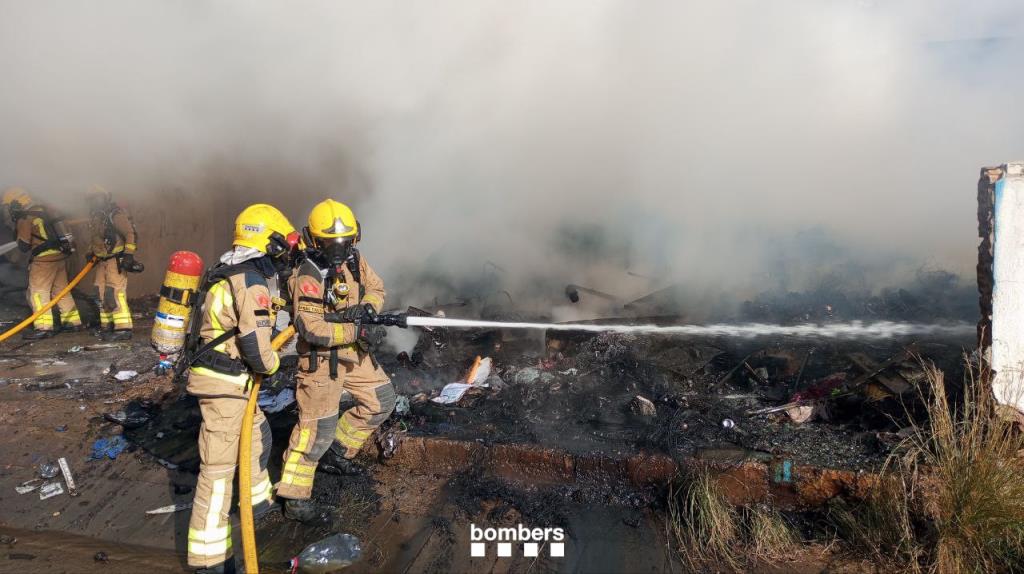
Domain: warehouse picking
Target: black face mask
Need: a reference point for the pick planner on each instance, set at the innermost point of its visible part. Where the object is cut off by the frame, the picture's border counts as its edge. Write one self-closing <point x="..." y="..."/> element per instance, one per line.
<point x="267" y="265"/>
<point x="336" y="252"/>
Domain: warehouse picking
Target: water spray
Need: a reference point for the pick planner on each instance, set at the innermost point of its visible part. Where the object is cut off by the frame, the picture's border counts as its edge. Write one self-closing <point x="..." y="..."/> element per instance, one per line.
<point x="8" y="247"/>
<point x="848" y="330"/>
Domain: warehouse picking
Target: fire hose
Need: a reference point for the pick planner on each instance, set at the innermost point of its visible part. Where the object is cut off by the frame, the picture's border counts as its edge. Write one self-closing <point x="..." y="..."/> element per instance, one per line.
<point x="53" y="301"/>
<point x="245" y="442"/>
<point x="245" y="464"/>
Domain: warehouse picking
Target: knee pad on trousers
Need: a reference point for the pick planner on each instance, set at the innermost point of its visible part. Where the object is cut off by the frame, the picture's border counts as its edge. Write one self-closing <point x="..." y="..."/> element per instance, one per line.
<point x="324" y="437"/>
<point x="267" y="439"/>
<point x="386" y="397"/>
<point x="109" y="299"/>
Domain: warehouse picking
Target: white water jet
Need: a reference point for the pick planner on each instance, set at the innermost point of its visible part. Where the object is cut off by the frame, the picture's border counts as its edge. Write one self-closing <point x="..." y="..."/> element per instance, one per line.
<point x="851" y="330"/>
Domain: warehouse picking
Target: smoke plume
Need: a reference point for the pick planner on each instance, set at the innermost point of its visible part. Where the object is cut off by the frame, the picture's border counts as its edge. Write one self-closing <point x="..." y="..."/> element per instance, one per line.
<point x="520" y="146"/>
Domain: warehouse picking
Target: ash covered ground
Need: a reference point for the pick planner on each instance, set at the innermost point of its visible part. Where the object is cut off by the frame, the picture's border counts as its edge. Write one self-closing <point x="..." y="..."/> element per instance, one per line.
<point x="587" y="395"/>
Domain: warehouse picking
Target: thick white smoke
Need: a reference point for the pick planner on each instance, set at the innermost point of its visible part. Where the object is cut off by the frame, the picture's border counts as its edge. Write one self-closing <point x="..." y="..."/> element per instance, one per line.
<point x="572" y="141"/>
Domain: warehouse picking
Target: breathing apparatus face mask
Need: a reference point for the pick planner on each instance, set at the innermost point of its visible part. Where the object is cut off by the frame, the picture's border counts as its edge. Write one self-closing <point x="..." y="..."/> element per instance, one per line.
<point x="336" y="251"/>
<point x="282" y="249"/>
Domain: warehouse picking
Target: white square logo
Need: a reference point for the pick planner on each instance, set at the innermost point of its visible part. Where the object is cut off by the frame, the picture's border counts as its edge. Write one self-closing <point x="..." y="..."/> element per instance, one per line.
<point x="504" y="550"/>
<point x="478" y="550"/>
<point x="530" y="550"/>
<point x="557" y="549"/>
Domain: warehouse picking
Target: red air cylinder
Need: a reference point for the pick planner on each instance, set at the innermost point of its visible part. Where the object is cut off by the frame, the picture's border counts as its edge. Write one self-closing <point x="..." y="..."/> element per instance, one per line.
<point x="184" y="271"/>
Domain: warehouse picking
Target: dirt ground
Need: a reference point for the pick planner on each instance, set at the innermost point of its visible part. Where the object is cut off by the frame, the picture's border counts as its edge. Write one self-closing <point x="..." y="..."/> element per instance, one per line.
<point x="411" y="515"/>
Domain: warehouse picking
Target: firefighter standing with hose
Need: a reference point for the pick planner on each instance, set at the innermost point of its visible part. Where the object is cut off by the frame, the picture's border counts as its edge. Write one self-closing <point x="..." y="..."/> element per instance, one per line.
<point x="41" y="234"/>
<point x="333" y="289"/>
<point x="235" y="328"/>
<point x="113" y="244"/>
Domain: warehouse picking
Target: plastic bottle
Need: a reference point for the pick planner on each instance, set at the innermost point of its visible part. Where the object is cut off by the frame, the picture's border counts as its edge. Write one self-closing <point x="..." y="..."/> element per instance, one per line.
<point x="328" y="555"/>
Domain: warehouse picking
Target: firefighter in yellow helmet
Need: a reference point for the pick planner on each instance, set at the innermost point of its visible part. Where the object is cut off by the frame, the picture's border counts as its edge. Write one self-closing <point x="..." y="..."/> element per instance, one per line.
<point x="42" y="235"/>
<point x="332" y="289"/>
<point x="237" y="319"/>
<point x="113" y="244"/>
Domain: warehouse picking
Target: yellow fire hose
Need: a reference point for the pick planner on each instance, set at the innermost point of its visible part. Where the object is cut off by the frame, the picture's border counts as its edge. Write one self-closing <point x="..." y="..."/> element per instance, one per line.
<point x="245" y="464"/>
<point x="53" y="301"/>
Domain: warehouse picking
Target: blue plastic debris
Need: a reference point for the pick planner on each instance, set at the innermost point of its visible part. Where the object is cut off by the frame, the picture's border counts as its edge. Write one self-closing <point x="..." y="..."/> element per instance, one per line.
<point x="108" y="447"/>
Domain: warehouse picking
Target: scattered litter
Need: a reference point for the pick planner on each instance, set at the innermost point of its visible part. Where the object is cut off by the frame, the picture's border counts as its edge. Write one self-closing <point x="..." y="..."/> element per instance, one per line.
<point x="167" y="464"/>
<point x="50" y="489"/>
<point x="100" y="557"/>
<point x="8" y="540"/>
<point x="642" y="406"/>
<point x="451" y="393"/>
<point x="480" y="371"/>
<point x="126" y="375"/>
<point x="388" y="442"/>
<point x="495" y="382"/>
<point x="134" y="415"/>
<point x="572" y="372"/>
<point x="808" y="412"/>
<point x="402" y="405"/>
<point x="20" y="556"/>
<point x="728" y="424"/>
<point x="28" y="486"/>
<point x="68" y="479"/>
<point x="170" y="508"/>
<point x="108" y="447"/>
<point x="48" y="470"/>
<point x="276" y="402"/>
<point x="329" y="555"/>
<point x="76" y="349"/>
<point x="527" y="375"/>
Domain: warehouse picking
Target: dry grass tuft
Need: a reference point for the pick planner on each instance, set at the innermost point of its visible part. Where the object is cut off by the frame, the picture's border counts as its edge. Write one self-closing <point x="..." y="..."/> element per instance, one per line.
<point x="711" y="533"/>
<point x="967" y="472"/>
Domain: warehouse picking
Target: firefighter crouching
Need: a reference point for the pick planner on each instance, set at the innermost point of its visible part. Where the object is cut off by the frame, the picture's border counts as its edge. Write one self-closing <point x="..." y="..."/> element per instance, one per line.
<point x="113" y="244"/>
<point x="236" y="320"/>
<point x="332" y="287"/>
<point x="42" y="234"/>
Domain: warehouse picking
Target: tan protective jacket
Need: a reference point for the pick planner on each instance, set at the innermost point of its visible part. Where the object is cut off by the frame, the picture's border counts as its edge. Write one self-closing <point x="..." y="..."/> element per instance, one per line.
<point x="311" y="300"/>
<point x="112" y="233"/>
<point x="31" y="232"/>
<point x="242" y="300"/>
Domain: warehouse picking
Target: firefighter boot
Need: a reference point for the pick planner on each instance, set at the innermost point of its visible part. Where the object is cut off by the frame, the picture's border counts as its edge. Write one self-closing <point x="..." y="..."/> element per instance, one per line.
<point x="333" y="462"/>
<point x="299" y="510"/>
<point x="227" y="567"/>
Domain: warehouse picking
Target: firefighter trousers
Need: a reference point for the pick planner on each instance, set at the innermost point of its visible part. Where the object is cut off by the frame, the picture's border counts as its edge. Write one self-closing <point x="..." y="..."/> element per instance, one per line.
<point x="46" y="279"/>
<point x="112" y="291"/>
<point x="320" y="426"/>
<point x="209" y="529"/>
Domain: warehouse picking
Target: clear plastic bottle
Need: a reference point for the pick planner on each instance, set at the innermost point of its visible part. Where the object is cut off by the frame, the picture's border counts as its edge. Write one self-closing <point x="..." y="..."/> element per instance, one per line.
<point x="328" y="555"/>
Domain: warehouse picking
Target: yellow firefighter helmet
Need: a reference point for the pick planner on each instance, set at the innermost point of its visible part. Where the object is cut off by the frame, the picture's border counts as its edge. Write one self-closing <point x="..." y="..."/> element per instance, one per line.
<point x="264" y="228"/>
<point x="17" y="195"/>
<point x="333" y="231"/>
<point x="332" y="219"/>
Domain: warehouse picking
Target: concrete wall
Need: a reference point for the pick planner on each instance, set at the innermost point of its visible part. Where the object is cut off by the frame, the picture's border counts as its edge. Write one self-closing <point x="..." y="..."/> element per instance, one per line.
<point x="1001" y="278"/>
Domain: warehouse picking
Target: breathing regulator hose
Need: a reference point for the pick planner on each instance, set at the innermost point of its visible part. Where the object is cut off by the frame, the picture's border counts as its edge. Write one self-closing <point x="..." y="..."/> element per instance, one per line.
<point x="245" y="464"/>
<point x="53" y="301"/>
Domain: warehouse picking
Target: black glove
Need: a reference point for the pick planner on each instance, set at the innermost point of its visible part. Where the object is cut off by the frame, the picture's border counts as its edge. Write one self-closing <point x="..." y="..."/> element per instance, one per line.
<point x="353" y="314"/>
<point x="371" y="337"/>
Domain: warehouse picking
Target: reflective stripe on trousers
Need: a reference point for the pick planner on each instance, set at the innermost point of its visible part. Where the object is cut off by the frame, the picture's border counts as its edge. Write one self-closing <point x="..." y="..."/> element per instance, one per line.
<point x="213" y="541"/>
<point x="349" y="436"/>
<point x="294" y="472"/>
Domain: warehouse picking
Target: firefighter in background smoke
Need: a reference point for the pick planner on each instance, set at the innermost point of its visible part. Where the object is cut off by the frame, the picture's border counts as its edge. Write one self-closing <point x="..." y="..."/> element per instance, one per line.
<point x="333" y="288"/>
<point x="113" y="244"/>
<point x="40" y="233"/>
<point x="237" y="323"/>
